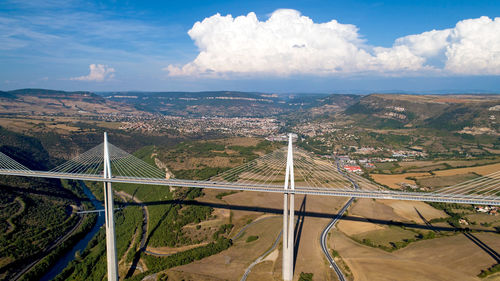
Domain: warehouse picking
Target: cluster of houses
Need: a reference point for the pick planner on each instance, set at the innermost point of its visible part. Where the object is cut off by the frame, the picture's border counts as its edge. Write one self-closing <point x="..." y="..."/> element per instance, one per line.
<point x="409" y="186"/>
<point x="349" y="165"/>
<point x="353" y="168"/>
<point x="367" y="163"/>
<point x="281" y="137"/>
<point x="408" y="153"/>
<point x="491" y="210"/>
<point x="401" y="154"/>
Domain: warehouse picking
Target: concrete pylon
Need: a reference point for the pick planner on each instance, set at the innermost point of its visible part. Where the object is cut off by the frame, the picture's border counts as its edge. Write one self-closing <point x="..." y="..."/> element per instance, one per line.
<point x="109" y="214"/>
<point x="288" y="216"/>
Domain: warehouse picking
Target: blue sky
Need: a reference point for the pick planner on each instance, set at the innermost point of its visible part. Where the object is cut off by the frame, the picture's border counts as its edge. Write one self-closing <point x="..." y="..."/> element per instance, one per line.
<point x="274" y="46"/>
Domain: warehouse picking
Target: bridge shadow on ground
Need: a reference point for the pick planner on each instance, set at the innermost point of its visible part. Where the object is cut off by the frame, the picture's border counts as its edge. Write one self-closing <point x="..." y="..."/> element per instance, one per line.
<point x="137" y="256"/>
<point x="494" y="254"/>
<point x="428" y="223"/>
<point x="302" y="213"/>
<point x="298" y="230"/>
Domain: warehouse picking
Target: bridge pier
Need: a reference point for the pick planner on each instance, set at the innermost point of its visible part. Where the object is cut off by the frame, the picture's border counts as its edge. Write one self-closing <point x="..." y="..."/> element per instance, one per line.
<point x="288" y="216"/>
<point x="109" y="214"/>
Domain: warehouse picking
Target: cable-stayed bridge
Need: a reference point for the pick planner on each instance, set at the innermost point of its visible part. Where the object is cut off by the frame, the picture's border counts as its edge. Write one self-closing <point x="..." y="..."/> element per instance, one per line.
<point x="313" y="176"/>
<point x="289" y="170"/>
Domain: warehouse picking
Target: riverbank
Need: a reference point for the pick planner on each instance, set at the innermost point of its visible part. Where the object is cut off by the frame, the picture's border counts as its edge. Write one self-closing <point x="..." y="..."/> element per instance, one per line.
<point x="64" y="260"/>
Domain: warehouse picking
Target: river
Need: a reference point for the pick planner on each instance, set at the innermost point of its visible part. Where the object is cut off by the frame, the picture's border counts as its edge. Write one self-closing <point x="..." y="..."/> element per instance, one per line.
<point x="82" y="244"/>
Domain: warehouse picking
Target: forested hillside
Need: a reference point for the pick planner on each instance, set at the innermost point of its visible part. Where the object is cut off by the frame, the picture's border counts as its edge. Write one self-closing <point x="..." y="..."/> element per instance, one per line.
<point x="34" y="212"/>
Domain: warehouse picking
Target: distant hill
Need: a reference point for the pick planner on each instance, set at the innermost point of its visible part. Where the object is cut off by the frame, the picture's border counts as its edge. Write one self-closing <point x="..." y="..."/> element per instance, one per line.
<point x="333" y="104"/>
<point x="61" y="103"/>
<point x="217" y="103"/>
<point x="186" y="104"/>
<point x="450" y="112"/>
<point x="201" y="103"/>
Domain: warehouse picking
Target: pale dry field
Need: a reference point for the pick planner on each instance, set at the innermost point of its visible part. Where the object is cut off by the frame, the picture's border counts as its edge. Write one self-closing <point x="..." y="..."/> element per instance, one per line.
<point x="443" y="181"/>
<point x="449" y="258"/>
<point x="393" y="181"/>
<point x="453" y="163"/>
<point x="409" y="210"/>
<point x="402" y="211"/>
<point x="369" y="219"/>
<point x="373" y="209"/>
<point x="357" y="227"/>
<point x="481" y="170"/>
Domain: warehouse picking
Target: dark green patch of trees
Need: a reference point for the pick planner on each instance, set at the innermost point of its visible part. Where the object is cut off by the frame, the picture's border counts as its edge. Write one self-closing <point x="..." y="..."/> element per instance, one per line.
<point x="226" y="193"/>
<point x="156" y="264"/>
<point x="305" y="276"/>
<point x="492" y="270"/>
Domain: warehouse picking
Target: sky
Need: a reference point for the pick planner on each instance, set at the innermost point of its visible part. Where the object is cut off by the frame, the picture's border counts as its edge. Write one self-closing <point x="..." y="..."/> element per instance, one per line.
<point x="266" y="46"/>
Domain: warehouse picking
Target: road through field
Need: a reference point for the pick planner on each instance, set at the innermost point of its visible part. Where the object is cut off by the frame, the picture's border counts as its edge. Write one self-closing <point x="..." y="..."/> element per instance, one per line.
<point x="327" y="229"/>
<point x="259" y="259"/>
<point x="324" y="235"/>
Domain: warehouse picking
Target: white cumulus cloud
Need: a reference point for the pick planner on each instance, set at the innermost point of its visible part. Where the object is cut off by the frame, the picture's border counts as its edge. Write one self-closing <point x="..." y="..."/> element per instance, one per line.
<point x="289" y="43"/>
<point x="471" y="47"/>
<point x="98" y="73"/>
<point x="474" y="47"/>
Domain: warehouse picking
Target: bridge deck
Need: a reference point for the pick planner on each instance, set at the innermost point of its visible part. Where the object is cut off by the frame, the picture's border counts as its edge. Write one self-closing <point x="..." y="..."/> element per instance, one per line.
<point x="339" y="192"/>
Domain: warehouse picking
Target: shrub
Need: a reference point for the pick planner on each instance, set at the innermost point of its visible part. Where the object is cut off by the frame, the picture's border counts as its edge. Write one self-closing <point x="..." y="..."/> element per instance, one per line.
<point x="305" y="276"/>
<point x="489" y="271"/>
<point x="252" y="238"/>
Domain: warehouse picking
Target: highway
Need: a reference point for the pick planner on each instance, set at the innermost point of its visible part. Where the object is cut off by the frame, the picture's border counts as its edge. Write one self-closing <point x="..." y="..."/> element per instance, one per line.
<point x="324" y="236"/>
<point x="338" y="192"/>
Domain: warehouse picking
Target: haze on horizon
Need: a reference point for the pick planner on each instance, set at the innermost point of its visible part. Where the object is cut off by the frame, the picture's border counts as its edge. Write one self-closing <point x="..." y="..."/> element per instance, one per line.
<point x="318" y="46"/>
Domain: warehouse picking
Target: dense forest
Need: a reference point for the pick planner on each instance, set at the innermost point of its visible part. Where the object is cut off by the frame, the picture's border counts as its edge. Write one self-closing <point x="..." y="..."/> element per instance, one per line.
<point x="35" y="212"/>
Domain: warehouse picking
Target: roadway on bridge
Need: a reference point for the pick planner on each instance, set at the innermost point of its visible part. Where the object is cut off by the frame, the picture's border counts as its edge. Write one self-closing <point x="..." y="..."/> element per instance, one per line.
<point x="347" y="192"/>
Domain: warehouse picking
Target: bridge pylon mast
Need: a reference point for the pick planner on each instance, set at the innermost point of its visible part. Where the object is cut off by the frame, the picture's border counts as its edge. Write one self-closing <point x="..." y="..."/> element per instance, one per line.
<point x="109" y="213"/>
<point x="288" y="216"/>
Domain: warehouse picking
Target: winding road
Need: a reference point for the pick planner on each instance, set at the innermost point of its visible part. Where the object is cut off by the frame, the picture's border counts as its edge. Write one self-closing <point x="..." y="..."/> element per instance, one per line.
<point x="259" y="259"/>
<point x="324" y="234"/>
